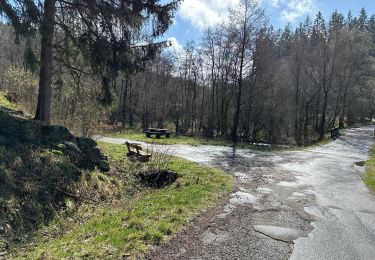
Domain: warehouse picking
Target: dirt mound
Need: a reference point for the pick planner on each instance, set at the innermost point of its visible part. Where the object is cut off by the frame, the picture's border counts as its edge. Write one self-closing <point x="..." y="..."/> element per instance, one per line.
<point x="157" y="178"/>
<point x="40" y="168"/>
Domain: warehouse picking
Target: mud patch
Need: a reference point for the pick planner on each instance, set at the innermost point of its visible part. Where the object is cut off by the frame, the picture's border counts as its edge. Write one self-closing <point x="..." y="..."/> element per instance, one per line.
<point x="280" y="233"/>
<point x="157" y="178"/>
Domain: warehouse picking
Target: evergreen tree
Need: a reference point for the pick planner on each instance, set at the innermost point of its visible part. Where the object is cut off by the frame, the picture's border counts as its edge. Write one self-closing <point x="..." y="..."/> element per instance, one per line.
<point x="362" y="20"/>
<point x="113" y="35"/>
<point x="30" y="60"/>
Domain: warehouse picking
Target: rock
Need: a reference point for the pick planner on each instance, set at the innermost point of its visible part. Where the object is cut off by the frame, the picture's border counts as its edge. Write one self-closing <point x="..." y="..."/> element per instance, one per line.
<point x="3" y="139"/>
<point x="95" y="154"/>
<point x="103" y="166"/>
<point x="85" y="142"/>
<point x="57" y="133"/>
<point x="70" y="146"/>
<point x="91" y="156"/>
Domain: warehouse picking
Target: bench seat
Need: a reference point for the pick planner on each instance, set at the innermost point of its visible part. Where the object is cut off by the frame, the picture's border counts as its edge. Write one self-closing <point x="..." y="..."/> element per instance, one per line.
<point x="135" y="150"/>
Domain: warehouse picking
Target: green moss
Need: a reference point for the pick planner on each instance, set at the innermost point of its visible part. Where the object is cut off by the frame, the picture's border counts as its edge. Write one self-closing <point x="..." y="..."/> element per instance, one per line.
<point x="369" y="177"/>
<point x="138" y="222"/>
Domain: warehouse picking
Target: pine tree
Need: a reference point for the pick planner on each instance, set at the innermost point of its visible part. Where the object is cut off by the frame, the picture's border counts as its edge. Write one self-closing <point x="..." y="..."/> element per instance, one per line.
<point x="362" y="20"/>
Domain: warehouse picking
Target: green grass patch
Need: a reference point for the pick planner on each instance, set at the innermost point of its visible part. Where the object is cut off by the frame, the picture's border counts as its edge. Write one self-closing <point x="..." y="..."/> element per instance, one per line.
<point x="174" y="139"/>
<point x="198" y="140"/>
<point x="369" y="177"/>
<point x="136" y="223"/>
<point x="194" y="141"/>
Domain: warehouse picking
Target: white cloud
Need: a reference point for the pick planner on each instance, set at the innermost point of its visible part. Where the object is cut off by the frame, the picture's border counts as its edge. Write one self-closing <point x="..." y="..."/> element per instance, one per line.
<point x="275" y="3"/>
<point x="296" y="9"/>
<point x="175" y="47"/>
<point x="202" y="13"/>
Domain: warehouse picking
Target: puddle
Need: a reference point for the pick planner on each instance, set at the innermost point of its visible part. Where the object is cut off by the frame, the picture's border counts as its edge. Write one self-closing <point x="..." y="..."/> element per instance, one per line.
<point x="280" y="233"/>
<point x="212" y="238"/>
<point x="314" y="211"/>
<point x="309" y="192"/>
<point x="298" y="194"/>
<point x="288" y="184"/>
<point x="241" y="197"/>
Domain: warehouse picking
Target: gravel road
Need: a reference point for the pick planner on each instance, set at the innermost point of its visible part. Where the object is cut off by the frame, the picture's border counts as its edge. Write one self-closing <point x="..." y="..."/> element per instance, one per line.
<point x="306" y="204"/>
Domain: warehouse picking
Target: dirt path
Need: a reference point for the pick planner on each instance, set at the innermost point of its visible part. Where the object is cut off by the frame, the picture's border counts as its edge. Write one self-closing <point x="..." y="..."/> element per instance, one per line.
<point x="308" y="204"/>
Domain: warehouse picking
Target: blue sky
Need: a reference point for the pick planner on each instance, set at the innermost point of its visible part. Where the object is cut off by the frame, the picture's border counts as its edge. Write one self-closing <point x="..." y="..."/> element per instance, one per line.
<point x="194" y="15"/>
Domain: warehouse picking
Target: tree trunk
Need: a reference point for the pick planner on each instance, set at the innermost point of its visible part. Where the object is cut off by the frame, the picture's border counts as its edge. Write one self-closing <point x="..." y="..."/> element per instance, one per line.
<point x="306" y="125"/>
<point x="236" y="120"/>
<point x="323" y="119"/>
<point x="297" y="133"/>
<point x="343" y="111"/>
<point x="43" y="111"/>
<point x="237" y="112"/>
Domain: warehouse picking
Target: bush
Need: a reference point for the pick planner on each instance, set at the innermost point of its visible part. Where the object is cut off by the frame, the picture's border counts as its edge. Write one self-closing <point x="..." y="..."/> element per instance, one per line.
<point x="24" y="87"/>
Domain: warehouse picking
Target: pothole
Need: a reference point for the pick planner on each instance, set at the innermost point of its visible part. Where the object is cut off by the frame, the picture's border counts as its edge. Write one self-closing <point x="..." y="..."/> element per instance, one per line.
<point x="157" y="178"/>
<point x="361" y="163"/>
<point x="280" y="233"/>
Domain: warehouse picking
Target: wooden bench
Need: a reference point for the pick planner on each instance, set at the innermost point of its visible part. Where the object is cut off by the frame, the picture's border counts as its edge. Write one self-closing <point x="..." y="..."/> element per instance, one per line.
<point x="158" y="133"/>
<point x="335" y="133"/>
<point x="135" y="151"/>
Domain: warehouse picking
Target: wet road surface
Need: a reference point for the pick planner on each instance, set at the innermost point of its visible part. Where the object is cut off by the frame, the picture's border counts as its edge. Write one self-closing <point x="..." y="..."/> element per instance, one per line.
<point x="307" y="204"/>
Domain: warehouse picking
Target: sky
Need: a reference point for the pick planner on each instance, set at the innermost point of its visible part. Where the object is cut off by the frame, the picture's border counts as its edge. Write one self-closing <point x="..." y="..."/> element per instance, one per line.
<point x="194" y="15"/>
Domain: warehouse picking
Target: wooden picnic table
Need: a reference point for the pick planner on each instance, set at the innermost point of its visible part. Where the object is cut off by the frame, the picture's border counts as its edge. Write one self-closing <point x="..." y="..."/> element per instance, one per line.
<point x="158" y="133"/>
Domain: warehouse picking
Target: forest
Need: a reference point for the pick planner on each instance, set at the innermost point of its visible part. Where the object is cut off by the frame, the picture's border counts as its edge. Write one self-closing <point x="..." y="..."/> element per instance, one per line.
<point x="243" y="81"/>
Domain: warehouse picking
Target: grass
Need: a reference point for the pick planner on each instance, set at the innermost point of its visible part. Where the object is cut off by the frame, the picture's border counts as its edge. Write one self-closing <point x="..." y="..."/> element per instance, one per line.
<point x="134" y="224"/>
<point x="174" y="139"/>
<point x="369" y="177"/>
<point x="5" y="103"/>
<point x="195" y="141"/>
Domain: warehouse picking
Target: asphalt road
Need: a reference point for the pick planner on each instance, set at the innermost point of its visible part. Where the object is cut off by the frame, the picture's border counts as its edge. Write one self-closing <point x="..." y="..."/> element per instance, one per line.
<point x="307" y="204"/>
